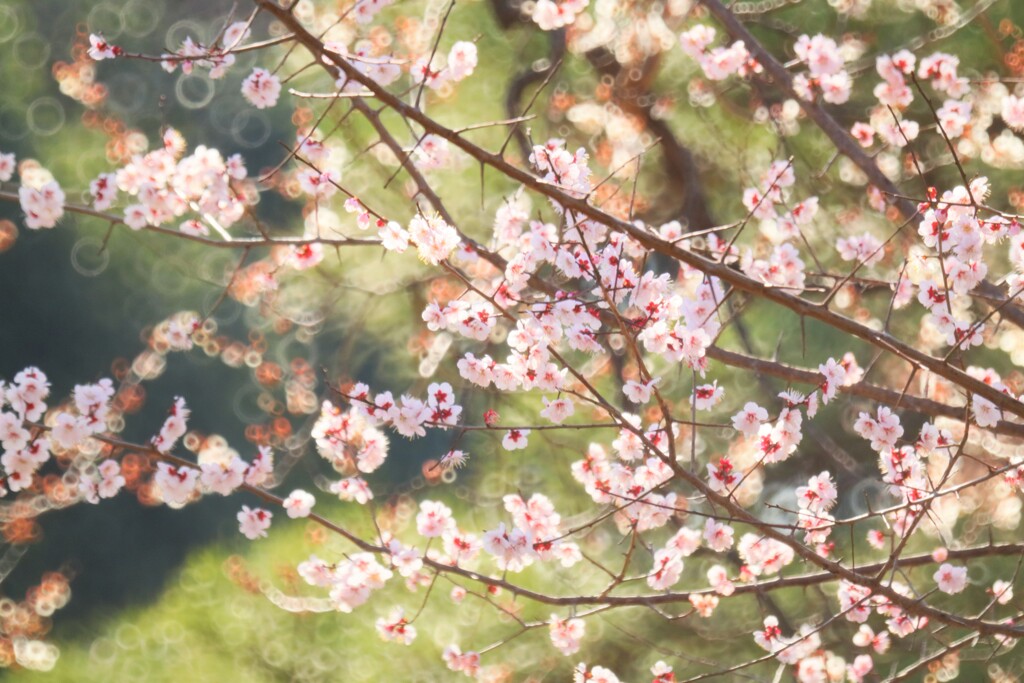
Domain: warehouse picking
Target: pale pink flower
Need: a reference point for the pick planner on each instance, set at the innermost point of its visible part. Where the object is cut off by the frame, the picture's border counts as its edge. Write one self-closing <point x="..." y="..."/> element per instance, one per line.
<point x="434" y="519"/>
<point x="261" y="88"/>
<point x="100" y="49"/>
<point x="558" y="410"/>
<point x="515" y="439"/>
<point x="950" y="579"/>
<point x="566" y="634"/>
<point x="254" y="522"/>
<point x="43" y="207"/>
<point x="299" y="503"/>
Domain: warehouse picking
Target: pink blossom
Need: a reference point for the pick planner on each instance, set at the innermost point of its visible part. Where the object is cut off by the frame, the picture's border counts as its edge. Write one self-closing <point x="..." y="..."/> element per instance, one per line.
<point x="100" y="49"/>
<point x="558" y="410"/>
<point x="434" y="239"/>
<point x="640" y="392"/>
<point x="462" y="59"/>
<point x="749" y="420"/>
<point x="7" y="166"/>
<point x="707" y="396"/>
<point x="718" y="536"/>
<point x="596" y="674"/>
<point x="566" y="634"/>
<point x="254" y="522"/>
<point x="468" y="663"/>
<point x="177" y="485"/>
<point x="261" y="88"/>
<point x="352" y="489"/>
<point x="174" y="427"/>
<point x="396" y="628"/>
<point x="433" y="519"/>
<point x="299" y="503"/>
<point x="515" y="439"/>
<point x="950" y="579"/>
<point x="43" y="206"/>
<point x="512" y="549"/>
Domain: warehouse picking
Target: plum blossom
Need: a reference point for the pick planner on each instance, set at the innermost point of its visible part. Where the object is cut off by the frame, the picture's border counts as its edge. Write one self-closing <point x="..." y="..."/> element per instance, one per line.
<point x="566" y="634"/>
<point x="68" y="432"/>
<point x="718" y="536"/>
<point x="351" y="581"/>
<point x="100" y="49"/>
<point x="866" y="637"/>
<point x="554" y="14"/>
<point x="770" y="637"/>
<point x="718" y="579"/>
<point x="640" y="392"/>
<point x="352" y="489"/>
<point x="223" y="477"/>
<point x="749" y="420"/>
<point x="28" y="393"/>
<point x="1013" y="112"/>
<point x="722" y="477"/>
<point x="558" y="410"/>
<point x="409" y="416"/>
<point x="261" y="467"/>
<point x="254" y="522"/>
<point x="435" y="240"/>
<point x="261" y="88"/>
<point x="860" y="668"/>
<point x="43" y="206"/>
<point x="819" y="495"/>
<point x="882" y="430"/>
<point x="707" y="396"/>
<point x="597" y="674"/>
<point x="667" y="570"/>
<point x="453" y="460"/>
<point x="985" y="413"/>
<point x="396" y="628"/>
<point x="434" y="519"/>
<point x="1003" y="591"/>
<point x="393" y="237"/>
<point x="515" y="439"/>
<point x="863" y="249"/>
<point x="7" y="166"/>
<point x="512" y="549"/>
<point x="320" y="185"/>
<point x="176" y="484"/>
<point x="863" y="133"/>
<point x="950" y="579"/>
<point x="350" y="436"/>
<point x="468" y="663"/>
<point x="824" y="63"/>
<point x="299" y="503"/>
<point x="462" y="59"/>
<point x="717" y="63"/>
<point x="111" y="480"/>
<point x="174" y="427"/>
<point x="763" y="556"/>
<point x="834" y="377"/>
